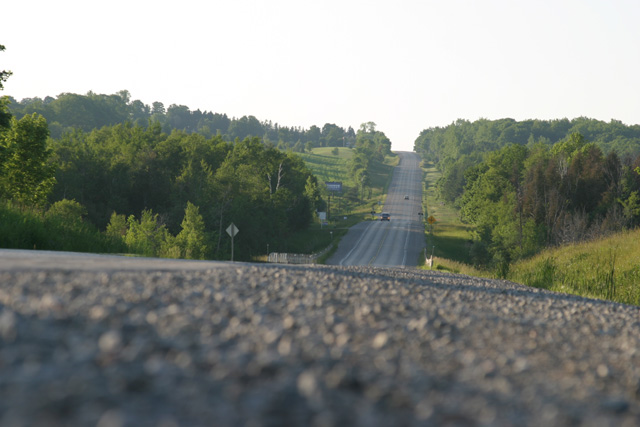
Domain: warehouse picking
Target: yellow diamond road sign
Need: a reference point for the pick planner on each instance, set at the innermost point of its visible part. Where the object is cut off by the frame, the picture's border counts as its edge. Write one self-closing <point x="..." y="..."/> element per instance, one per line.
<point x="431" y="219"/>
<point x="232" y="230"/>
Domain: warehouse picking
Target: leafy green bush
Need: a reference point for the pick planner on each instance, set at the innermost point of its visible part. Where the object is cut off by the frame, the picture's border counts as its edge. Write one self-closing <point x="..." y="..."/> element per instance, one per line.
<point x="30" y="229"/>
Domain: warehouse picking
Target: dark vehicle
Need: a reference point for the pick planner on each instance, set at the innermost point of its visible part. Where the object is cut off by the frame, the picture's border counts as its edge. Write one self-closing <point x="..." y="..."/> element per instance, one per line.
<point x="385" y="217"/>
<point x="406" y="197"/>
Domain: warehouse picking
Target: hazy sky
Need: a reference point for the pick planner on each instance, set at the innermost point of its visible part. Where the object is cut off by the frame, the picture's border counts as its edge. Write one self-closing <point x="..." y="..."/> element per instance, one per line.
<point x="405" y="65"/>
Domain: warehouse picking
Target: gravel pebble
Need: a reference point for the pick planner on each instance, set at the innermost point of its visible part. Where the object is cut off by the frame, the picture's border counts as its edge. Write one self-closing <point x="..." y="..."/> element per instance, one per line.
<point x="265" y="345"/>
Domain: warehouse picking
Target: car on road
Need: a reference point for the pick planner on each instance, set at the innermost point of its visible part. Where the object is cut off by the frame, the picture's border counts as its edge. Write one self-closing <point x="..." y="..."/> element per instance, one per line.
<point x="406" y="197"/>
<point x="385" y="217"/>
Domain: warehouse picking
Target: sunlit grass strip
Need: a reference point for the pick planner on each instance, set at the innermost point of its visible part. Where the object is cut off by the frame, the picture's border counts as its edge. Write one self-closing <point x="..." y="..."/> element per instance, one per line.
<point x="450" y="236"/>
<point x="608" y="268"/>
<point x="452" y="266"/>
<point x="343" y="152"/>
<point x="327" y="168"/>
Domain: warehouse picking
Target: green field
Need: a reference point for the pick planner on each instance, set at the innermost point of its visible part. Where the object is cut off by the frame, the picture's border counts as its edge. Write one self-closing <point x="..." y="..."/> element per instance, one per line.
<point x="326" y="166"/>
<point x="343" y="152"/>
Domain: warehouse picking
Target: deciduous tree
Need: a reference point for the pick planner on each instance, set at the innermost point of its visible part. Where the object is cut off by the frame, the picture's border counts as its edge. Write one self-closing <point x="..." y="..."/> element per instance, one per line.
<point x="26" y="175"/>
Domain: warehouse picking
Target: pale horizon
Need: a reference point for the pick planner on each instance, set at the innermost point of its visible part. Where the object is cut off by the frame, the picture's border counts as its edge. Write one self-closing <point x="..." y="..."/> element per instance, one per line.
<point x="406" y="65"/>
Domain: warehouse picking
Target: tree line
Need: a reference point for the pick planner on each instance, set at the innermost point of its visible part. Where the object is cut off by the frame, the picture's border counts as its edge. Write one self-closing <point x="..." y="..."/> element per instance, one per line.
<point x="69" y="111"/>
<point x="371" y="146"/>
<point x="164" y="194"/>
<point x="113" y="174"/>
<point x="465" y="138"/>
<point x="523" y="193"/>
<point x="103" y="171"/>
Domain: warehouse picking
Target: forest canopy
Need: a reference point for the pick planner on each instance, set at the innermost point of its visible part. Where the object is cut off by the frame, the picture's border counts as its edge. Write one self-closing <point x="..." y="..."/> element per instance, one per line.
<point x="167" y="182"/>
<point x="69" y="111"/>
<point x="533" y="184"/>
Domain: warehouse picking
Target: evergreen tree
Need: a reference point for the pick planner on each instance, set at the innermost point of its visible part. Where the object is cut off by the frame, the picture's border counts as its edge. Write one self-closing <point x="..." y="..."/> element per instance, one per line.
<point x="192" y="240"/>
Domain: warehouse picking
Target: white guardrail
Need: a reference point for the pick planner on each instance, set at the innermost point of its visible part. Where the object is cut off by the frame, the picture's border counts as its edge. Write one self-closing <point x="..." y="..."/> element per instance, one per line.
<point x="286" y="258"/>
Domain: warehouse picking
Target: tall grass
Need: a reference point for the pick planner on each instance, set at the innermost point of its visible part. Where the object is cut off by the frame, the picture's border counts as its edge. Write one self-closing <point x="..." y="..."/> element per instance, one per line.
<point x="30" y="229"/>
<point x="607" y="268"/>
<point x="457" y="267"/>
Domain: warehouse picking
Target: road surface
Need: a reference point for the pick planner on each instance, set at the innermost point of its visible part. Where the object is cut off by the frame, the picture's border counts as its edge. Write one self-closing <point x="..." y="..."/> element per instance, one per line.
<point x="394" y="243"/>
<point x="89" y="340"/>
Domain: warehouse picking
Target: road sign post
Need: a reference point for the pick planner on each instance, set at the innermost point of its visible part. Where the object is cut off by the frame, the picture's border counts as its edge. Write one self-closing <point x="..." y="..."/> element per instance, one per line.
<point x="431" y="220"/>
<point x="322" y="216"/>
<point x="232" y="230"/>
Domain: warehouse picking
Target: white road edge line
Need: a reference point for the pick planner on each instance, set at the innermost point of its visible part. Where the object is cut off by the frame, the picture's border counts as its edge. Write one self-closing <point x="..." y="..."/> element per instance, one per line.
<point x="357" y="243"/>
<point x="406" y="244"/>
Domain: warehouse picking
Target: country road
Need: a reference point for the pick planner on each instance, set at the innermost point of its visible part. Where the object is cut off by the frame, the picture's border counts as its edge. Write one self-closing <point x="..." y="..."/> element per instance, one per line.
<point x="89" y="340"/>
<point x="394" y="243"/>
<point x="108" y="341"/>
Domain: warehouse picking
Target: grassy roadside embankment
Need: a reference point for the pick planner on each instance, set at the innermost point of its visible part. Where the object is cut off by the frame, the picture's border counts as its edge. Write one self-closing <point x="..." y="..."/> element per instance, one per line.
<point x="606" y="268"/>
<point x="448" y="238"/>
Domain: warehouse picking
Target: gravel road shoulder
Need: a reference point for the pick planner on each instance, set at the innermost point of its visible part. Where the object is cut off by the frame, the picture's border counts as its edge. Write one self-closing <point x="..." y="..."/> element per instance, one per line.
<point x="264" y="345"/>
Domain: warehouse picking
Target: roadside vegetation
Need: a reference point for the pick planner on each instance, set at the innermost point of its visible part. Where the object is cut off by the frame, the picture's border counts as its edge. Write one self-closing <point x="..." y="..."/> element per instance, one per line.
<point x="448" y="237"/>
<point x="55" y="229"/>
<point x="365" y="172"/>
<point x="129" y="183"/>
<point x="606" y="268"/>
<point x="349" y="207"/>
<point x="103" y="173"/>
<point x="551" y="210"/>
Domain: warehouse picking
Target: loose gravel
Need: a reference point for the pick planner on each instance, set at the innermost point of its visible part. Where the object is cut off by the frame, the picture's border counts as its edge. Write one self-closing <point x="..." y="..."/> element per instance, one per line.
<point x="260" y="345"/>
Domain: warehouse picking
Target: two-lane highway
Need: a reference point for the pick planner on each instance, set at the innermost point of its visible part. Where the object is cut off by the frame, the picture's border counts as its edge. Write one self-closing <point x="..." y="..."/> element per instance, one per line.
<point x="394" y="243"/>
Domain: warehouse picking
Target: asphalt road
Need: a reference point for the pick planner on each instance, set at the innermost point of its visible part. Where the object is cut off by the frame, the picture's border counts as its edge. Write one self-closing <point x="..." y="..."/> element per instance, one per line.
<point x="394" y="243"/>
<point x="89" y="340"/>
